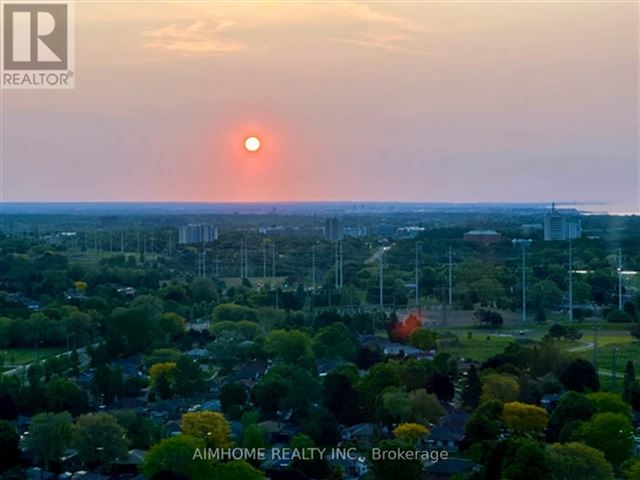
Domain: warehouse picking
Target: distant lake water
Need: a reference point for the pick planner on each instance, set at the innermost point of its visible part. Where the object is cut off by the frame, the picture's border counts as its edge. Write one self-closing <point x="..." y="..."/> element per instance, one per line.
<point x="610" y="208"/>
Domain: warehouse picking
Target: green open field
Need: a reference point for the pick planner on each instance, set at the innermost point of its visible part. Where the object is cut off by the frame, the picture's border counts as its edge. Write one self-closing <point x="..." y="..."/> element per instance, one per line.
<point x="21" y="356"/>
<point x="479" y="347"/>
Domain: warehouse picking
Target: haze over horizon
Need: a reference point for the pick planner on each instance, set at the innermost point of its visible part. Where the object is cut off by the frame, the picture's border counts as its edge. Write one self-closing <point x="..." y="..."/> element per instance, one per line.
<point x="465" y="103"/>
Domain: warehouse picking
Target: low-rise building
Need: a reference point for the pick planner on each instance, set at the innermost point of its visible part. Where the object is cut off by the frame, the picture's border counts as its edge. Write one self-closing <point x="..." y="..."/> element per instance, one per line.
<point x="484" y="236"/>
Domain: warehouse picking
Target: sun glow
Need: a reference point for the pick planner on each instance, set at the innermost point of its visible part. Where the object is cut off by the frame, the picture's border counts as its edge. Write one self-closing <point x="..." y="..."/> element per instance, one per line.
<point x="252" y="144"/>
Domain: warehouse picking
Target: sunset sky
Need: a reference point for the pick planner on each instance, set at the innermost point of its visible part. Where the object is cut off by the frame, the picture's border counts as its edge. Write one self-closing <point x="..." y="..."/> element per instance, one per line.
<point x="395" y="101"/>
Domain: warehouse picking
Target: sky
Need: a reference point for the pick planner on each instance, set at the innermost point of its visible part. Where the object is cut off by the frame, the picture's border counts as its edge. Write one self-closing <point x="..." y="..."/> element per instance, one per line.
<point x="387" y="101"/>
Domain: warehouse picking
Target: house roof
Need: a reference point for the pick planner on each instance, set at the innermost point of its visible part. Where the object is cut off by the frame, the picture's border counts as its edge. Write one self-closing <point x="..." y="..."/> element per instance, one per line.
<point x="360" y="429"/>
<point x="451" y="466"/>
<point x="198" y="352"/>
<point x="271" y="426"/>
<point x="444" y="434"/>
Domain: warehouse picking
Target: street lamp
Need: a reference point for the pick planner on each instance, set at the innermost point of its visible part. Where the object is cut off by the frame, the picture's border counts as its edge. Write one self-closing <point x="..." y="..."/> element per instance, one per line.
<point x="524" y="244"/>
<point x="99" y="451"/>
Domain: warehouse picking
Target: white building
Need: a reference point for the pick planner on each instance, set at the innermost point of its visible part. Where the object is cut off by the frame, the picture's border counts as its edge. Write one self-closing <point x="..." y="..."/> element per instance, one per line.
<point x="197" y="233"/>
<point x="561" y="226"/>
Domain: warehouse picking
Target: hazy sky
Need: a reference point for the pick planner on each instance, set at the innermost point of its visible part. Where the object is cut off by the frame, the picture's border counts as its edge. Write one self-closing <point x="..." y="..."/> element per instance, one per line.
<point x="353" y="101"/>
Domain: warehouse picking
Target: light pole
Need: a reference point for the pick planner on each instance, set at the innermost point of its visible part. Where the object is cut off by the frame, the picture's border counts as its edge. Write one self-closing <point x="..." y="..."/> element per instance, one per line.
<point x="613" y="366"/>
<point x="381" y="286"/>
<point x="524" y="244"/>
<point x="450" y="276"/>
<point x="619" y="279"/>
<point x="99" y="451"/>
<point x="570" y="281"/>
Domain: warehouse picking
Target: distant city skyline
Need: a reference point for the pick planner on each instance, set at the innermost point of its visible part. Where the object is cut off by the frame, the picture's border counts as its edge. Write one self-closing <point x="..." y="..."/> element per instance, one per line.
<point x="409" y="102"/>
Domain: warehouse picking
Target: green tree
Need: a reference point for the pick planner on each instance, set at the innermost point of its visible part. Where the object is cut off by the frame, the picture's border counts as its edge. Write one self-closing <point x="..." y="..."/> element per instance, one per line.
<point x="398" y="469"/>
<point x="334" y="342"/>
<point x="163" y="376"/>
<point x="314" y="468"/>
<point x="9" y="446"/>
<point x="379" y="377"/>
<point x="170" y="325"/>
<point x="99" y="439"/>
<point x="107" y="383"/>
<point x="631" y="469"/>
<point x="611" y="433"/>
<point x="610" y="402"/>
<point x="290" y="346"/>
<point x="546" y="294"/>
<point x="572" y="407"/>
<point x="411" y="432"/>
<point x="580" y="376"/>
<point x="254" y="436"/>
<point x="503" y="388"/>
<point x="575" y="461"/>
<point x="232" y="395"/>
<point x="523" y="418"/>
<point x="321" y="426"/>
<point x="631" y="386"/>
<point x="63" y="394"/>
<point x="234" y="313"/>
<point x="471" y="389"/>
<point x="286" y="387"/>
<point x="237" y="470"/>
<point x="526" y="460"/>
<point x="181" y="455"/>
<point x="142" y="431"/>
<point x="189" y="377"/>
<point x="423" y="339"/>
<point x="341" y="398"/>
<point x="49" y="436"/>
<point x="424" y="407"/>
<point x="208" y="426"/>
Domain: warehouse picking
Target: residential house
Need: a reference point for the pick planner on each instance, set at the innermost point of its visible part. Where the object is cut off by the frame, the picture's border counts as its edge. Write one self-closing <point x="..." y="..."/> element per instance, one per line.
<point x="448" y="468"/>
<point x="445" y="438"/>
<point x="363" y="434"/>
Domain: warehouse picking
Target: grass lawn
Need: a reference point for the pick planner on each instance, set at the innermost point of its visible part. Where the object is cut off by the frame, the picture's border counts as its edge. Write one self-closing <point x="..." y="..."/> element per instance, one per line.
<point x="20" y="356"/>
<point x="479" y="347"/>
<point x="625" y="352"/>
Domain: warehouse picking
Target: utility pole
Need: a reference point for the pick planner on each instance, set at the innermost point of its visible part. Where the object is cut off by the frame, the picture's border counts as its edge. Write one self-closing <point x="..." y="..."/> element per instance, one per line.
<point x="273" y="265"/>
<point x="613" y="366"/>
<point x="121" y="241"/>
<point x="336" y="262"/>
<point x="217" y="265"/>
<point x="381" y="280"/>
<point x="570" y="281"/>
<point x="204" y="259"/>
<point x="264" y="262"/>
<point x="619" y="279"/>
<point x="524" y="244"/>
<point x="524" y="286"/>
<point x="594" y="360"/>
<point x="313" y="268"/>
<point x="341" y="266"/>
<point x="450" y="276"/>
<point x="241" y="259"/>
<point x="417" y="279"/>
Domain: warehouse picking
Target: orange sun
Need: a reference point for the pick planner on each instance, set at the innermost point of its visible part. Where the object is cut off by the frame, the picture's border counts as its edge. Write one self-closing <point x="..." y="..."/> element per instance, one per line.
<point x="252" y="144"/>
